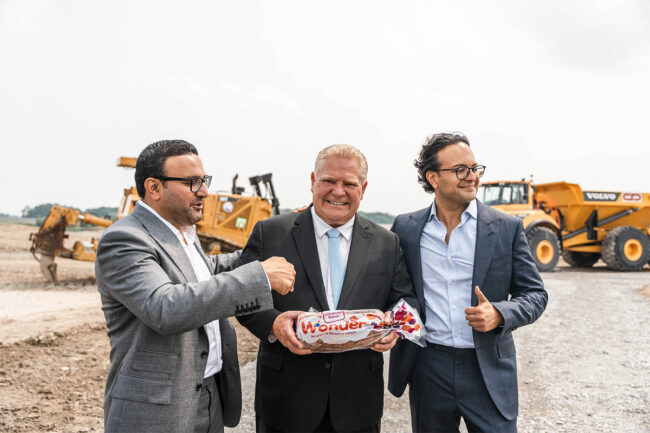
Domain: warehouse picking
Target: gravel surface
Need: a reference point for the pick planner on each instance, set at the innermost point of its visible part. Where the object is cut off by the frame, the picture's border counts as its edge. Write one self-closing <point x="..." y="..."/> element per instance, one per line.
<point x="585" y="365"/>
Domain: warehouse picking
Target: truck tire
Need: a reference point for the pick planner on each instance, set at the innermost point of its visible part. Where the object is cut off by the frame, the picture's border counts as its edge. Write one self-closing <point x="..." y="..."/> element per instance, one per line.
<point x="580" y="260"/>
<point x="545" y="247"/>
<point x="626" y="248"/>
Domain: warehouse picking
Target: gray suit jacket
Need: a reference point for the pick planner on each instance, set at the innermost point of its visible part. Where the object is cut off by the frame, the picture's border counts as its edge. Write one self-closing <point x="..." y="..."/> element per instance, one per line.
<point x="505" y="271"/>
<point x="155" y="311"/>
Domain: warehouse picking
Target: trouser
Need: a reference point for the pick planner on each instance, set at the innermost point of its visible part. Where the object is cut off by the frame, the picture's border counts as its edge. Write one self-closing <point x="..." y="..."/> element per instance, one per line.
<point x="447" y="384"/>
<point x="209" y="415"/>
<point x="325" y="426"/>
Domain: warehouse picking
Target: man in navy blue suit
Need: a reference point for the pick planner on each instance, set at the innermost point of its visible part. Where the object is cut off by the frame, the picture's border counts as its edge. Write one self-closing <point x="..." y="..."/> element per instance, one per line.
<point x="475" y="276"/>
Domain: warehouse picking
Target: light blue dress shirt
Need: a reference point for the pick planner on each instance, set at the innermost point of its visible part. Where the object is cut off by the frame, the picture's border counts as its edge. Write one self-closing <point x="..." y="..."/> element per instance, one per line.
<point x="447" y="275"/>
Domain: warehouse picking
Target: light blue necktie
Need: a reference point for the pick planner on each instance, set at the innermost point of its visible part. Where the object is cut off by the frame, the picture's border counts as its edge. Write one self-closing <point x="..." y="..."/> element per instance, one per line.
<point x="337" y="267"/>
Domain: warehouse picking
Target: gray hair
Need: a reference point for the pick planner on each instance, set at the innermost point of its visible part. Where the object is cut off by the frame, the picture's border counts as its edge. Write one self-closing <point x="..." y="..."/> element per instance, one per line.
<point x="344" y="151"/>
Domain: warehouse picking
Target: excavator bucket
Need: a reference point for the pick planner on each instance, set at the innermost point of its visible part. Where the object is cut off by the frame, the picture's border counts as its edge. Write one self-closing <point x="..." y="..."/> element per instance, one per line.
<point x="48" y="267"/>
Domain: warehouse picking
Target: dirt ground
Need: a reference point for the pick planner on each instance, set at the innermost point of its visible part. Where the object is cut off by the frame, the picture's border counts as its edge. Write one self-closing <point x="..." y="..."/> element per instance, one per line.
<point x="54" y="352"/>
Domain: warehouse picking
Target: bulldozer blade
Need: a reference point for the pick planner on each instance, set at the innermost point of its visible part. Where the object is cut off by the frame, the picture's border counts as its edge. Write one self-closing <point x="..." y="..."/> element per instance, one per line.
<point x="48" y="267"/>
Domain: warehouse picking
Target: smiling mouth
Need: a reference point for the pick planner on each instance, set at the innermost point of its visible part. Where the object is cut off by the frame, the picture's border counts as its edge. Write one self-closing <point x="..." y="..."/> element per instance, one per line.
<point x="336" y="203"/>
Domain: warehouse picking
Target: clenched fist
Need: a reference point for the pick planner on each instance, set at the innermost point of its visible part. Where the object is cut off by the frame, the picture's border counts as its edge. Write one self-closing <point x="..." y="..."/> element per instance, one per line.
<point x="280" y="273"/>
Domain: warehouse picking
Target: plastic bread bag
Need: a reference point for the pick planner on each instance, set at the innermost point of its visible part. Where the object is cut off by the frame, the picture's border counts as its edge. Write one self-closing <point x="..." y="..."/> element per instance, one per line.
<point x="340" y="330"/>
<point x="343" y="330"/>
<point x="407" y="323"/>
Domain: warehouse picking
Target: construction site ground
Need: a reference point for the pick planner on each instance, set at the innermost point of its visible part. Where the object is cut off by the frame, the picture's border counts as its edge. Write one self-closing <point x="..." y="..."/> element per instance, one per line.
<point x="584" y="366"/>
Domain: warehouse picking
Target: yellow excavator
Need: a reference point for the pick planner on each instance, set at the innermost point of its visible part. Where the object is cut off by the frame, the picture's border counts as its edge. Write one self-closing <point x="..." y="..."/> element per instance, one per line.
<point x="582" y="226"/>
<point x="228" y="219"/>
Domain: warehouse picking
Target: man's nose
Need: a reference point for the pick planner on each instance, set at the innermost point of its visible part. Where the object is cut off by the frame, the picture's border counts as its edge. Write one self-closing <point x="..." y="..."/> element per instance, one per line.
<point x="472" y="175"/>
<point x="203" y="191"/>
<point x="338" y="189"/>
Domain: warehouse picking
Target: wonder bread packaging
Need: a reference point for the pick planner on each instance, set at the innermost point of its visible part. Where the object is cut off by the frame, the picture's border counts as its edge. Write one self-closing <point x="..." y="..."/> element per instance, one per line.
<point x="343" y="330"/>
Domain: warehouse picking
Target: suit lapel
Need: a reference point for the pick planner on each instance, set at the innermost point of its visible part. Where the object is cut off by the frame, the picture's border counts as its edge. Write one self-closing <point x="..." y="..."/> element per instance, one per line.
<point x="359" y="245"/>
<point x="167" y="241"/>
<point x="485" y="241"/>
<point x="305" y="239"/>
<point x="417" y="222"/>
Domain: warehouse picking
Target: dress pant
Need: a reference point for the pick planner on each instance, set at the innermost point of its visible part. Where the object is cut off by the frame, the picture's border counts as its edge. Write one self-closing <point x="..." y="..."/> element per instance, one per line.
<point x="446" y="385"/>
<point x="209" y="415"/>
<point x="325" y="426"/>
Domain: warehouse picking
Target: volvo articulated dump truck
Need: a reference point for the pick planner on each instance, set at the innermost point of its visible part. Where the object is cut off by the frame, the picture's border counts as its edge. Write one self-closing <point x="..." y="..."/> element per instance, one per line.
<point x="582" y="226"/>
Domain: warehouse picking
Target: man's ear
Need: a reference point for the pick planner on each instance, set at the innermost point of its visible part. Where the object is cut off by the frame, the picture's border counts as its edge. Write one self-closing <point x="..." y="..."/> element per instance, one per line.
<point x="153" y="188"/>
<point x="363" y="189"/>
<point x="432" y="178"/>
<point x="313" y="179"/>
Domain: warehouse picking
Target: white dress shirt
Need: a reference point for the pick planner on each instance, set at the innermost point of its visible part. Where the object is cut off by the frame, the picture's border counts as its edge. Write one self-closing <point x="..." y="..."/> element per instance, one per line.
<point x="322" y="244"/>
<point x="203" y="273"/>
<point x="447" y="276"/>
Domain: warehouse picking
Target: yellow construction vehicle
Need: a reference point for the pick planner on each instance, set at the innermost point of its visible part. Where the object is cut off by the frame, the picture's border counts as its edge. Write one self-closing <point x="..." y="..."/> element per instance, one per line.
<point x="582" y="226"/>
<point x="228" y="219"/>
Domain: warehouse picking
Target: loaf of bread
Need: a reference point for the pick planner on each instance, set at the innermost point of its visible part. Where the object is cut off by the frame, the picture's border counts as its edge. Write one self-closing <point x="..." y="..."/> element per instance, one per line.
<point x="343" y="330"/>
<point x="340" y="330"/>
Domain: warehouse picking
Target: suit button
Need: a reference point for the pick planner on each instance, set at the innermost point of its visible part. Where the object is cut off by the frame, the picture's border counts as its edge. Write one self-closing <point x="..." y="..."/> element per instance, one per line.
<point x="199" y="386"/>
<point x="328" y="366"/>
<point x="204" y="354"/>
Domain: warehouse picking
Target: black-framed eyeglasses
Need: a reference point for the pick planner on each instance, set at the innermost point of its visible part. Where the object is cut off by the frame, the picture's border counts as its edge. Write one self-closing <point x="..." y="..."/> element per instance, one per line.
<point x="462" y="172"/>
<point x="194" y="182"/>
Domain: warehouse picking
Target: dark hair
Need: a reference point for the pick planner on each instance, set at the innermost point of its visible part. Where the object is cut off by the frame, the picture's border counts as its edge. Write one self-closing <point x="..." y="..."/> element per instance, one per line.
<point x="428" y="158"/>
<point x="152" y="160"/>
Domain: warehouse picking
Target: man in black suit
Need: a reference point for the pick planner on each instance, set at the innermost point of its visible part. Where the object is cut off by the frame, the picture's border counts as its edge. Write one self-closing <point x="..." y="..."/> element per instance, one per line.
<point x="300" y="391"/>
<point x="476" y="280"/>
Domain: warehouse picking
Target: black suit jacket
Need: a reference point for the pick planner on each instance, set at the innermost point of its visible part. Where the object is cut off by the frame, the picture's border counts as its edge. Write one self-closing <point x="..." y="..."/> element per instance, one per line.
<point x="506" y="274"/>
<point x="292" y="391"/>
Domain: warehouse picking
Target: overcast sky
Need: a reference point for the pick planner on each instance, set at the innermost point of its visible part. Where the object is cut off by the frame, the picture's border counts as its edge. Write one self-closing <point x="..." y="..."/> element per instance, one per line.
<point x="559" y="89"/>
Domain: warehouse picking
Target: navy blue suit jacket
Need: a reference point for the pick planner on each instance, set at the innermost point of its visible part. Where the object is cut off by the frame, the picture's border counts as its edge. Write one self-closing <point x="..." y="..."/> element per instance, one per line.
<point x="506" y="274"/>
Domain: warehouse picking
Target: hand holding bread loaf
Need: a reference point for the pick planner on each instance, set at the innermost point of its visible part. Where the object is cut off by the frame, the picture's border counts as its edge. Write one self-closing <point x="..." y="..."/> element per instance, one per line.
<point x="343" y="330"/>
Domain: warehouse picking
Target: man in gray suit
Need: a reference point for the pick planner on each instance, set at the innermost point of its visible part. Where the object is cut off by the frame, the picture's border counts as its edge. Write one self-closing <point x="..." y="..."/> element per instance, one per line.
<point x="475" y="276"/>
<point x="174" y="364"/>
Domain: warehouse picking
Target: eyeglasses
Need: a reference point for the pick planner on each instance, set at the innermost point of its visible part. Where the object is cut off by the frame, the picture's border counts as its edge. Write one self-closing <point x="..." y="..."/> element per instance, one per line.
<point x="462" y="172"/>
<point x="195" y="182"/>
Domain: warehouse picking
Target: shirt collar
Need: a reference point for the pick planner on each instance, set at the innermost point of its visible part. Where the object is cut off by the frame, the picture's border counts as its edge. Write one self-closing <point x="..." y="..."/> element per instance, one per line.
<point x="321" y="227"/>
<point x="470" y="211"/>
<point x="188" y="231"/>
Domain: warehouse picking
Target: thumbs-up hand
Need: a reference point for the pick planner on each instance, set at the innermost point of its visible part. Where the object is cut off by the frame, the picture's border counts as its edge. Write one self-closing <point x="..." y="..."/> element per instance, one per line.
<point x="483" y="317"/>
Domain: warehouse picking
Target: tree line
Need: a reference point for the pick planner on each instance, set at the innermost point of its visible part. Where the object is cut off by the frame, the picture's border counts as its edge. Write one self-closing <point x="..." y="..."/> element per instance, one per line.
<point x="41" y="211"/>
